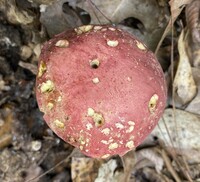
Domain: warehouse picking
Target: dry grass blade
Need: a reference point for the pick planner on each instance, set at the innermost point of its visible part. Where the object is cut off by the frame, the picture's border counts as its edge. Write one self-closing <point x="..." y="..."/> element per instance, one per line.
<point x="170" y="167"/>
<point x="182" y="164"/>
<point x="5" y="140"/>
<point x="187" y="171"/>
<point x="128" y="161"/>
<point x="176" y="7"/>
<point x="93" y="7"/>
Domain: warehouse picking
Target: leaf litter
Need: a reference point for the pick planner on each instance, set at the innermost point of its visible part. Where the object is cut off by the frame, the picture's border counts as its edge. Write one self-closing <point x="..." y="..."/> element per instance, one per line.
<point x="29" y="151"/>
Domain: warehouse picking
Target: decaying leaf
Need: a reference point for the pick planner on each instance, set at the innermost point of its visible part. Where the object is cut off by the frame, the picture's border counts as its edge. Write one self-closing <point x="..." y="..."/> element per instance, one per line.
<point x="6" y="124"/>
<point x="56" y="18"/>
<point x="3" y="87"/>
<point x="20" y="26"/>
<point x="14" y="14"/>
<point x="195" y="56"/>
<point x="176" y="7"/>
<point x="169" y="166"/>
<point x="47" y="2"/>
<point x="84" y="169"/>
<point x="194" y="171"/>
<point x="192" y="17"/>
<point x="107" y="171"/>
<point x="191" y="156"/>
<point x="128" y="160"/>
<point x="29" y="66"/>
<point x="118" y="10"/>
<point x="141" y="163"/>
<point x="194" y="105"/>
<point x="153" y="176"/>
<point x="184" y="85"/>
<point x="94" y="170"/>
<point x="152" y="155"/>
<point x="184" y="134"/>
<point x="193" y="21"/>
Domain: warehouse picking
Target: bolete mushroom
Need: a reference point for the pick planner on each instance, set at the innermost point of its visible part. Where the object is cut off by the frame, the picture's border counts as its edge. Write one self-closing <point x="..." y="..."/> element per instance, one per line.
<point x="100" y="89"/>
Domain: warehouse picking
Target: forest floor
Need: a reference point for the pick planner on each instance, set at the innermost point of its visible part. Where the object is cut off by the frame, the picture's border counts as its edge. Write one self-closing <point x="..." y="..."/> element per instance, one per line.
<point x="30" y="151"/>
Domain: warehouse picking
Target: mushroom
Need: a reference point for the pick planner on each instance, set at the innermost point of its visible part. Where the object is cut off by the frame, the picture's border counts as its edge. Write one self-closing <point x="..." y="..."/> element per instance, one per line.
<point x="100" y="89"/>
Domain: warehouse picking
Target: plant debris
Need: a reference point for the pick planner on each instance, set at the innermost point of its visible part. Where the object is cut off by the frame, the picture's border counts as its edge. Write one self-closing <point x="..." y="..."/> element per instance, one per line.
<point x="30" y="151"/>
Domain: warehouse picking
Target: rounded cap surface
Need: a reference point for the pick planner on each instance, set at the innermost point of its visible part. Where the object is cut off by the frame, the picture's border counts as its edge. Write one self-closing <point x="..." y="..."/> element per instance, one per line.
<point x="100" y="89"/>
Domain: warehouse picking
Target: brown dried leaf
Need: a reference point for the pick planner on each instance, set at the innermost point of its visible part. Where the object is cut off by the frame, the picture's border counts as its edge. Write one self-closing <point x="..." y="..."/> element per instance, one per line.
<point x="3" y="86"/>
<point x="176" y="7"/>
<point x="29" y="66"/>
<point x="5" y="140"/>
<point x="194" y="105"/>
<point x="153" y="176"/>
<point x="128" y="163"/>
<point x="118" y="10"/>
<point x="102" y="12"/>
<point x="6" y="120"/>
<point x="184" y="85"/>
<point x="55" y="20"/>
<point x="193" y="20"/>
<point x="152" y="155"/>
<point x="194" y="171"/>
<point x="192" y="160"/>
<point x="47" y="2"/>
<point x="196" y="55"/>
<point x="107" y="172"/>
<point x="192" y="156"/>
<point x="84" y="169"/>
<point x="192" y="17"/>
<point x="15" y="15"/>
<point x="187" y="127"/>
<point x="143" y="162"/>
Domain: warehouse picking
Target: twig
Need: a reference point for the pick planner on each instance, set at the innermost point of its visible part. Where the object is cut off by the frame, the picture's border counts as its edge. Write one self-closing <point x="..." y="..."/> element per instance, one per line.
<point x="93" y="5"/>
<point x="128" y="162"/>
<point x="169" y="166"/>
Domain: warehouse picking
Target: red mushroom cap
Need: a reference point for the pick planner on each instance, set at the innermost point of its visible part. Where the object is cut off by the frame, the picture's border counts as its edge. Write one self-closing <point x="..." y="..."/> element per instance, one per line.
<point x="100" y="89"/>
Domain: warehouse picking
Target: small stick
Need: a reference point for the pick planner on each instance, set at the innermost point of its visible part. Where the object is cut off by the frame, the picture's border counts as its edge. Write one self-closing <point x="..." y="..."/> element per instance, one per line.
<point x="169" y="166"/>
